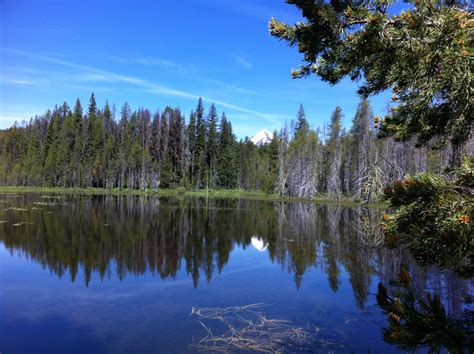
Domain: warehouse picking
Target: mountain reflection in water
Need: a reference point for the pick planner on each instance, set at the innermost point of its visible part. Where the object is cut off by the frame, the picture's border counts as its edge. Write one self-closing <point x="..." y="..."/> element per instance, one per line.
<point x="99" y="237"/>
<point x="140" y="234"/>
<point x="259" y="245"/>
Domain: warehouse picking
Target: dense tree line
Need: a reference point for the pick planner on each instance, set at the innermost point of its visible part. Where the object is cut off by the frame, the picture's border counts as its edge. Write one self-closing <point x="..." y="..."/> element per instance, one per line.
<point x="143" y="150"/>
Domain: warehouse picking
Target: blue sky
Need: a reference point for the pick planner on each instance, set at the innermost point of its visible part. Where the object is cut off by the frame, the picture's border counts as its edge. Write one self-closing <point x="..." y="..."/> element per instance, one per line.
<point x="157" y="53"/>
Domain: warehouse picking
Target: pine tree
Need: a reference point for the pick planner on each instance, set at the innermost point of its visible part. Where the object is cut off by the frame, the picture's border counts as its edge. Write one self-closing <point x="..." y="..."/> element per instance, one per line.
<point x="201" y="145"/>
<point x="66" y="146"/>
<point x="33" y="157"/>
<point x="144" y="119"/>
<point x="273" y="155"/>
<point x="53" y="138"/>
<point x="191" y="139"/>
<point x="97" y="141"/>
<point x="226" y="163"/>
<point x="90" y="140"/>
<point x="124" y="143"/>
<point x="165" y="158"/>
<point x="333" y="155"/>
<point x="302" y="125"/>
<point x="77" y="168"/>
<point x="135" y="157"/>
<point x="212" y="146"/>
<point x="155" y="150"/>
<point x="176" y="147"/>
<point x="248" y="165"/>
<point x="282" y="180"/>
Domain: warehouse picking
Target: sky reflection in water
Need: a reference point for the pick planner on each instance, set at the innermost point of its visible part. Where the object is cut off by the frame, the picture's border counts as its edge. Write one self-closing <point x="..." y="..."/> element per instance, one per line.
<point x="121" y="274"/>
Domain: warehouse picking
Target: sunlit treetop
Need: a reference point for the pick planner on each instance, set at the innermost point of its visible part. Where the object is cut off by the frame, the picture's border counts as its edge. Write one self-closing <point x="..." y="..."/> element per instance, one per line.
<point x="424" y="54"/>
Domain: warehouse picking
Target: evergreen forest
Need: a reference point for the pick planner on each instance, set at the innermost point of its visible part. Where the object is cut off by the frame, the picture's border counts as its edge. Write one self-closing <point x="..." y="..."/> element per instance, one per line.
<point x="92" y="147"/>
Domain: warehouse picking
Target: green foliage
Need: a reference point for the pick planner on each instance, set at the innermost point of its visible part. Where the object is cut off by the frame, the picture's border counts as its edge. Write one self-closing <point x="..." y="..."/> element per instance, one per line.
<point x="424" y="54"/>
<point x="226" y="158"/>
<point x="212" y="145"/>
<point x="201" y="147"/>
<point x="51" y="149"/>
<point x="65" y="148"/>
<point x="420" y="322"/>
<point x="273" y="152"/>
<point x="435" y="218"/>
<point x="302" y="125"/>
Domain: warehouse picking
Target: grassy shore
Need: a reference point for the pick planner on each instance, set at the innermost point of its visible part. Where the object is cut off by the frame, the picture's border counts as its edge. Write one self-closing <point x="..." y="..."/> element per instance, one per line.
<point x="181" y="192"/>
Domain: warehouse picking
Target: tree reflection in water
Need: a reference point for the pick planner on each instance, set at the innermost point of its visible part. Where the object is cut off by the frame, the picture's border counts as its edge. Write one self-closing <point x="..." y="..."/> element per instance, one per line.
<point x="420" y="320"/>
<point x="147" y="234"/>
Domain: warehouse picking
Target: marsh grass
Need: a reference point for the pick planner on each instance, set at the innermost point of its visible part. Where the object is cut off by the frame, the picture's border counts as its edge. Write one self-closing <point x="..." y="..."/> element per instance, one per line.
<point x="246" y="328"/>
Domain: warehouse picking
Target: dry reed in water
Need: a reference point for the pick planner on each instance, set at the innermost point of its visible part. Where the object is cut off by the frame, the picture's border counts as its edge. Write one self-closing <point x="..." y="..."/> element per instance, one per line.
<point x="247" y="328"/>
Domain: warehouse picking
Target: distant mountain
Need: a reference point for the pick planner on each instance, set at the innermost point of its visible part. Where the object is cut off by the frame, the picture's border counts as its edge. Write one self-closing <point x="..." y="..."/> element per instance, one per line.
<point x="262" y="137"/>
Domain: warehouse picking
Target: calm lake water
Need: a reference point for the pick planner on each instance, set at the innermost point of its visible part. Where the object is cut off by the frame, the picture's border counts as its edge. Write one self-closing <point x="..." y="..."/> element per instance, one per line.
<point x="121" y="274"/>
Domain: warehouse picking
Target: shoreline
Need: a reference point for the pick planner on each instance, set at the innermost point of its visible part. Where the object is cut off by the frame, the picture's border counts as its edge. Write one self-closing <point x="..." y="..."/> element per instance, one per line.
<point x="180" y="192"/>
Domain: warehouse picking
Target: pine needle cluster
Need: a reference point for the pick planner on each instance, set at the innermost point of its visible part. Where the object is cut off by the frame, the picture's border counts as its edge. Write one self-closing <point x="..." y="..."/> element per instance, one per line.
<point x="424" y="54"/>
<point x="424" y="322"/>
<point x="434" y="217"/>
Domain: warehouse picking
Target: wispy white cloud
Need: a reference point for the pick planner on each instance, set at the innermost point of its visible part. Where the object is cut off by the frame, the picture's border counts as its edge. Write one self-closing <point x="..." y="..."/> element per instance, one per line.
<point x="91" y="77"/>
<point x="148" y="61"/>
<point x="146" y="85"/>
<point x="242" y="61"/>
<point x="17" y="82"/>
<point x="54" y="80"/>
<point x="189" y="71"/>
<point x="158" y="61"/>
<point x="87" y="88"/>
<point x="7" y="79"/>
<point x="233" y="87"/>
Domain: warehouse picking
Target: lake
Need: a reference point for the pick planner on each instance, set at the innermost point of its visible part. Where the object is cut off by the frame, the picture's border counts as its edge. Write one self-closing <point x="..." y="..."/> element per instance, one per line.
<point x="118" y="274"/>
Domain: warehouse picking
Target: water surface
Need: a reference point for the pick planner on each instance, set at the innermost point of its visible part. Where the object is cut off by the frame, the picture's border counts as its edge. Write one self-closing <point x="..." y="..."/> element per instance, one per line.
<point x="121" y="274"/>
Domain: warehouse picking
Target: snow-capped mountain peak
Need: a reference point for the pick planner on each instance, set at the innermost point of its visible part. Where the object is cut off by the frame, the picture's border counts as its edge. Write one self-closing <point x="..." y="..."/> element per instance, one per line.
<point x="262" y="137"/>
